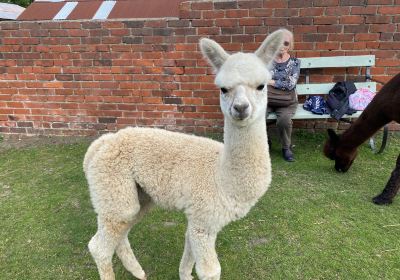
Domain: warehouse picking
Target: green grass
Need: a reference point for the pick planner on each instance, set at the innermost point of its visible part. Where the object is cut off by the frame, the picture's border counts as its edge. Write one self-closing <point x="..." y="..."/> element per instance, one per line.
<point x="313" y="223"/>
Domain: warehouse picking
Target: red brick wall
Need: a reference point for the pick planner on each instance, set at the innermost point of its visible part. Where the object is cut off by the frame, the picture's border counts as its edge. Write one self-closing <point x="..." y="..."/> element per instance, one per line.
<point x="85" y="78"/>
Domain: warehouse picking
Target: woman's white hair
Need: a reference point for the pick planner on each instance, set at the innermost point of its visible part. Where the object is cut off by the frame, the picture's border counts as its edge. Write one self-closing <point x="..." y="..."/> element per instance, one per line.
<point x="291" y="40"/>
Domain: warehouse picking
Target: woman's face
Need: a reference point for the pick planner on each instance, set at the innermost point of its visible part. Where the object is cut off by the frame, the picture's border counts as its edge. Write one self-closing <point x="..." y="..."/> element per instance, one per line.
<point x="286" y="45"/>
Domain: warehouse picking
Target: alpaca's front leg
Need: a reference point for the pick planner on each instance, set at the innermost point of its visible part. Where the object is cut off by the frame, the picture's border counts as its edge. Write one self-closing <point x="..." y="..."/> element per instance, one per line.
<point x="202" y="244"/>
<point x="391" y="188"/>
<point x="187" y="261"/>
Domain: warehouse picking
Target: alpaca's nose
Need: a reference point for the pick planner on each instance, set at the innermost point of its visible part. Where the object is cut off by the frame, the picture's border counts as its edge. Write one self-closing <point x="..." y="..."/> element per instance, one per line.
<point x="241" y="108"/>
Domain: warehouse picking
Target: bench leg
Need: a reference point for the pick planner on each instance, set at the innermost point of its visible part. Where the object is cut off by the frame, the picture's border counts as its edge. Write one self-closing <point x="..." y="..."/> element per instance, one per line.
<point x="385" y="137"/>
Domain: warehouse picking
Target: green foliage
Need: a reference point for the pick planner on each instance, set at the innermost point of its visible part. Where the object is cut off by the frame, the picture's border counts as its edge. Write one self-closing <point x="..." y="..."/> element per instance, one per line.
<point x="22" y="3"/>
<point x="313" y="223"/>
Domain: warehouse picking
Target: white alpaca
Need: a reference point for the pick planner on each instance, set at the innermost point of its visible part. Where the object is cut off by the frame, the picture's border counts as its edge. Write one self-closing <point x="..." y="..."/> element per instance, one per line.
<point x="212" y="183"/>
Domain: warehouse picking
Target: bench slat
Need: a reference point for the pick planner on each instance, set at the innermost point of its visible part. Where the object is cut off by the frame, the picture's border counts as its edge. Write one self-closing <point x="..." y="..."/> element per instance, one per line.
<point x="305" y="89"/>
<point x="337" y="61"/>
<point x="302" y="114"/>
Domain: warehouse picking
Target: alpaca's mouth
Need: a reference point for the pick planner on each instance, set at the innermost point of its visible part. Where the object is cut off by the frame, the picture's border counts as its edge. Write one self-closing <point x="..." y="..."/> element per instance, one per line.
<point x="240" y="116"/>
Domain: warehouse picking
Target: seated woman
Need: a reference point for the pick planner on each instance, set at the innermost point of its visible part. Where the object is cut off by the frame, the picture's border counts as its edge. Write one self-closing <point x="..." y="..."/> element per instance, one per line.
<point x="285" y="74"/>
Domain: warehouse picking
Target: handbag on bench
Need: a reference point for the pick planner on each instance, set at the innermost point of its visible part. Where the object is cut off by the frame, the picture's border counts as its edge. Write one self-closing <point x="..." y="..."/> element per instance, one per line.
<point x="281" y="98"/>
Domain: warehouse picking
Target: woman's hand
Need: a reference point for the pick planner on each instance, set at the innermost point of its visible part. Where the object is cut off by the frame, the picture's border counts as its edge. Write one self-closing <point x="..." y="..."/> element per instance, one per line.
<point x="271" y="82"/>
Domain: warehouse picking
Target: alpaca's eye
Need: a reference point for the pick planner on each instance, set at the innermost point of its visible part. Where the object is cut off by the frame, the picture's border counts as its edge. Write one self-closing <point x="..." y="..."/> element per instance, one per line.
<point x="224" y="90"/>
<point x="260" y="87"/>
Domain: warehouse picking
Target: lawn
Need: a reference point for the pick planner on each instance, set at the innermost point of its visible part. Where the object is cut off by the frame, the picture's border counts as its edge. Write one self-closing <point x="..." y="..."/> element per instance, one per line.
<point x="313" y="223"/>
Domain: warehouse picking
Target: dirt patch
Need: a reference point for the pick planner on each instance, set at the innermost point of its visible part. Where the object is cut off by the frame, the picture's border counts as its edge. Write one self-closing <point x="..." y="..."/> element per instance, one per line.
<point x="22" y="141"/>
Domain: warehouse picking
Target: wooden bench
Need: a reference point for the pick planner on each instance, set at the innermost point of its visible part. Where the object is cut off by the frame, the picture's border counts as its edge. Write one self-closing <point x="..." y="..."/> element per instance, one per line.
<point x="307" y="88"/>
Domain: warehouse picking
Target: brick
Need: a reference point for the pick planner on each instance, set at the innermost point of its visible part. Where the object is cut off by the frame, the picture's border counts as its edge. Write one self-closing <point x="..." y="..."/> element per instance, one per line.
<point x="363" y="10"/>
<point x="202" y="6"/>
<point x="326" y="20"/>
<point x="261" y="12"/>
<point x="337" y="11"/>
<point x="214" y="14"/>
<point x="389" y="10"/>
<point x="325" y="3"/>
<point x="237" y="13"/>
<point x="378" y="19"/>
<point x="356" y="28"/>
<point x="352" y="3"/>
<point x="107" y="120"/>
<point x="225" y="5"/>
<point x="250" y="4"/>
<point x="315" y="37"/>
<point x="300" y="3"/>
<point x="382" y="28"/>
<point x="172" y="100"/>
<point x="380" y="2"/>
<point x="300" y="21"/>
<point x="226" y="22"/>
<point x="24" y="124"/>
<point x="352" y="20"/>
<point x="328" y="46"/>
<point x="272" y="4"/>
<point x="366" y="37"/>
<point x="202" y="22"/>
<point x="335" y="29"/>
<point x="312" y="11"/>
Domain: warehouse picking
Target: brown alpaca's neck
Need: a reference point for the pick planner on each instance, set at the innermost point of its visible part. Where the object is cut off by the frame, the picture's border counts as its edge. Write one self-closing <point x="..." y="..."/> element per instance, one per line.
<point x="382" y="109"/>
<point x="370" y="121"/>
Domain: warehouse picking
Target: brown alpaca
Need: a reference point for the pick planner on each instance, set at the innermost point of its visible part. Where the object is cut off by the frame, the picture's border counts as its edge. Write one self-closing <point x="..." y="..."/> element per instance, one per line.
<point x="384" y="108"/>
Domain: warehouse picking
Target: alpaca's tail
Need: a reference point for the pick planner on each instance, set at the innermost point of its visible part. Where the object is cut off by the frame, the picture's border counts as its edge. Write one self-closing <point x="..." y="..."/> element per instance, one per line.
<point x="93" y="149"/>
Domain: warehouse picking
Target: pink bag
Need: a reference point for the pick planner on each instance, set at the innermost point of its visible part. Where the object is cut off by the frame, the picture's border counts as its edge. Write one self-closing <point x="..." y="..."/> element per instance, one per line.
<point x="360" y="99"/>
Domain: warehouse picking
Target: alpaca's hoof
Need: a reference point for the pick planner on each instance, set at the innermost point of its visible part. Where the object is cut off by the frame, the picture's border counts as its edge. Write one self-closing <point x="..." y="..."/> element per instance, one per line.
<point x="382" y="200"/>
<point x="140" y="275"/>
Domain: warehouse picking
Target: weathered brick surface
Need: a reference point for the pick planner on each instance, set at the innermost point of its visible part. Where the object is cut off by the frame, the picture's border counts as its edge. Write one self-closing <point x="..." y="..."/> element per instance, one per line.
<point x="91" y="77"/>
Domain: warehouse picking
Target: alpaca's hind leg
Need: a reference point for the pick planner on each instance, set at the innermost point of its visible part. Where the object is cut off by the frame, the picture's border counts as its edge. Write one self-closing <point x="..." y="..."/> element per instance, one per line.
<point x="124" y="250"/>
<point x="187" y="261"/>
<point x="103" y="244"/>
<point x="115" y="218"/>
<point x="202" y="244"/>
<point x="125" y="253"/>
<point x="391" y="188"/>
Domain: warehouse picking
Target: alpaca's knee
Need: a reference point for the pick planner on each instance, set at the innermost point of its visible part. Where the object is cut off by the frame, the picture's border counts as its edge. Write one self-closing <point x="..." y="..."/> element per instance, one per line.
<point x="208" y="270"/>
<point x="102" y="255"/>
<point x="95" y="247"/>
<point x="185" y="275"/>
<point x="185" y="271"/>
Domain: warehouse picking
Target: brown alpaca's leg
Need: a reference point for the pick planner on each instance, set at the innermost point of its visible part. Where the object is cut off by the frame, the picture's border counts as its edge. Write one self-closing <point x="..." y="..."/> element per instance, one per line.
<point x="391" y="188"/>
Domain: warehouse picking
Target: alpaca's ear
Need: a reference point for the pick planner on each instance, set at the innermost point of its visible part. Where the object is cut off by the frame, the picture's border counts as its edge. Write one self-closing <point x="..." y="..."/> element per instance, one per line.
<point x="269" y="48"/>
<point x="215" y="54"/>
<point x="333" y="136"/>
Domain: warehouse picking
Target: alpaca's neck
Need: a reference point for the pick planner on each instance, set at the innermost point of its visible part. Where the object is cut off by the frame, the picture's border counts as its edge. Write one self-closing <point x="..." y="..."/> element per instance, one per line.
<point x="245" y="162"/>
<point x="370" y="121"/>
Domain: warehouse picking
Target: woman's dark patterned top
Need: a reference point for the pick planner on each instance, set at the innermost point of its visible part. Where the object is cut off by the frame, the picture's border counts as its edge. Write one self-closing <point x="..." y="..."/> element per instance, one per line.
<point x="286" y="74"/>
